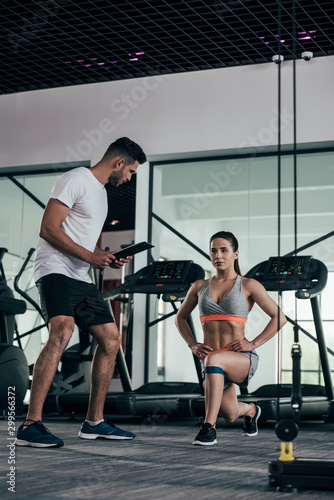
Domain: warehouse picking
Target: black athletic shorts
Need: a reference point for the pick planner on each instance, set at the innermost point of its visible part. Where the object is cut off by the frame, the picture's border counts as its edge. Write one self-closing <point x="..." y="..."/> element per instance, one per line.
<point x="64" y="296"/>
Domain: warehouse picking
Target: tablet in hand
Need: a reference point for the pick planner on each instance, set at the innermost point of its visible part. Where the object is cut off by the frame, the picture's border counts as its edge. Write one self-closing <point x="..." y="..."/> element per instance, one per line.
<point x="132" y="250"/>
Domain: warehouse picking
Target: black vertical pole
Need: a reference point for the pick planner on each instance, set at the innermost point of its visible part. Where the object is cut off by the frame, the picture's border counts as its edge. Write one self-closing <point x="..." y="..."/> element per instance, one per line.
<point x="279" y="168"/>
<point x="123" y="371"/>
<point x="120" y="359"/>
<point x="121" y="364"/>
<point x="148" y="297"/>
<point x="196" y="359"/>
<point x="296" y="393"/>
<point x="294" y="122"/>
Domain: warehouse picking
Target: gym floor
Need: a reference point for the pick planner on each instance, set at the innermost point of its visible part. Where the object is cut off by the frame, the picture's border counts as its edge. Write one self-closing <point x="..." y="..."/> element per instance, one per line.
<point x="160" y="463"/>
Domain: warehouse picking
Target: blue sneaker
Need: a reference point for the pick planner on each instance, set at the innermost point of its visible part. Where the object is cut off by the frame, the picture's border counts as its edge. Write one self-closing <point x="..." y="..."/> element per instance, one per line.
<point x="37" y="436"/>
<point x="104" y="431"/>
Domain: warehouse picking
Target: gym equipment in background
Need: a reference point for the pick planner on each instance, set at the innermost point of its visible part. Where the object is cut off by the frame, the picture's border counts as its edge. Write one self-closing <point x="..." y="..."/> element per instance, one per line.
<point x="289" y="473"/>
<point x="308" y="278"/>
<point x="14" y="370"/>
<point x="74" y="375"/>
<point x="171" y="280"/>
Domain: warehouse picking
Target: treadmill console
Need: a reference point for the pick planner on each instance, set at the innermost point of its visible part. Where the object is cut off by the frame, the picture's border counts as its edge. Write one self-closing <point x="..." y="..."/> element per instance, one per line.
<point x="166" y="272"/>
<point x="170" y="278"/>
<point x="287" y="267"/>
<point x="301" y="273"/>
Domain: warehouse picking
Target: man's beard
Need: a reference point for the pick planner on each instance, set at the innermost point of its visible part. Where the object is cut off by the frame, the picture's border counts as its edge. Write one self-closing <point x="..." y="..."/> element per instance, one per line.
<point x="115" y="178"/>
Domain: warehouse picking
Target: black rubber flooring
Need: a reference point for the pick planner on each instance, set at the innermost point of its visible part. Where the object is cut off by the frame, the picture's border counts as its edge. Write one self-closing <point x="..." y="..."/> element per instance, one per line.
<point x="159" y="464"/>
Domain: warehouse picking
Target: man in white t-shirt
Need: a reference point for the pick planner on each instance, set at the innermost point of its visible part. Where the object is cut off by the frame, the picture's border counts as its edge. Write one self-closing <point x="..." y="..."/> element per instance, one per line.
<point x="71" y="225"/>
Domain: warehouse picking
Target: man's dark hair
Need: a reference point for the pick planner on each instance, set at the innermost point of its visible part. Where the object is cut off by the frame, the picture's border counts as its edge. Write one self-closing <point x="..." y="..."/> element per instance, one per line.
<point x="126" y="148"/>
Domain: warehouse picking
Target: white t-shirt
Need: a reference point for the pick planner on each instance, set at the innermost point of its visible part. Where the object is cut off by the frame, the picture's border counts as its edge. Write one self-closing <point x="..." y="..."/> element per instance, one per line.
<point x="87" y="199"/>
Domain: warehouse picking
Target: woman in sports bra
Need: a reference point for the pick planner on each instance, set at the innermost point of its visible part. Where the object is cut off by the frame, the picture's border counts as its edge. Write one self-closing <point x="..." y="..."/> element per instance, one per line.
<point x="227" y="357"/>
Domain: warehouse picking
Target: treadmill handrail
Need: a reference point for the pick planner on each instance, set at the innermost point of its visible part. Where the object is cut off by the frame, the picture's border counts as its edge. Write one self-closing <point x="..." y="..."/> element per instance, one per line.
<point x="2" y="252"/>
<point x="193" y="272"/>
<point x="322" y="274"/>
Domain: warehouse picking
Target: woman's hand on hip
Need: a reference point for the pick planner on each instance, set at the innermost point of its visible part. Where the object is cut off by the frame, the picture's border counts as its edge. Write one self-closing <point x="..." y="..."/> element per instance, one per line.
<point x="200" y="350"/>
<point x="240" y="345"/>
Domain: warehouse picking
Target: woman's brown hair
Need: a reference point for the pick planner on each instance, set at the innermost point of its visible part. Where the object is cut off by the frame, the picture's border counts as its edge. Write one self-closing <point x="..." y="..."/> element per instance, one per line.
<point x="226" y="235"/>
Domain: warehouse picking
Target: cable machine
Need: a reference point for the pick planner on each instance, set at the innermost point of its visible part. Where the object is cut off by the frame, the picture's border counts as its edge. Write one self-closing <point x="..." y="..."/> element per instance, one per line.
<point x="171" y="281"/>
<point x="307" y="277"/>
<point x="288" y="473"/>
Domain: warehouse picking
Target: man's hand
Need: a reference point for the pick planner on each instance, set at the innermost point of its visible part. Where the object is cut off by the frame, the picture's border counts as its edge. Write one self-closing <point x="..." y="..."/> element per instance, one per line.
<point x="117" y="264"/>
<point x="101" y="259"/>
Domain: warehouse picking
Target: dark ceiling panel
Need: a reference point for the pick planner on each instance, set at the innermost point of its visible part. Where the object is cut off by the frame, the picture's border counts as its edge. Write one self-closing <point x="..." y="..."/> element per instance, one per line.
<point x="56" y="43"/>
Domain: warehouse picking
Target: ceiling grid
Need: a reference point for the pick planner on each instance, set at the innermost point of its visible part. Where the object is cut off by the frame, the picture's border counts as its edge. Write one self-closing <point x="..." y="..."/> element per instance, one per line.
<point x="57" y="43"/>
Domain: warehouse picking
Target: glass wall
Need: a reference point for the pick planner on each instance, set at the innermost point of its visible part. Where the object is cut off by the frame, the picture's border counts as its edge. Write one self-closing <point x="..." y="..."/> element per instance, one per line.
<point x="199" y="198"/>
<point x="19" y="227"/>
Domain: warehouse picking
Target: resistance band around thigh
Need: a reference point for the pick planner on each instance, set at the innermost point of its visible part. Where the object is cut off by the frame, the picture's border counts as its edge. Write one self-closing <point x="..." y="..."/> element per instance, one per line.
<point x="214" y="369"/>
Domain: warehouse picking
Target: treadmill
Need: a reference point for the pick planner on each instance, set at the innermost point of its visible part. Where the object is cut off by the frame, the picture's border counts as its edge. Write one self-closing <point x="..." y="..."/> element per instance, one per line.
<point x="307" y="277"/>
<point x="171" y="280"/>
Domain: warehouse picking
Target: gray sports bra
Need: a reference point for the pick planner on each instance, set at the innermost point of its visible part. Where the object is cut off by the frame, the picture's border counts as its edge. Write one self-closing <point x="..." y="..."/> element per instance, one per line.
<point x="233" y="307"/>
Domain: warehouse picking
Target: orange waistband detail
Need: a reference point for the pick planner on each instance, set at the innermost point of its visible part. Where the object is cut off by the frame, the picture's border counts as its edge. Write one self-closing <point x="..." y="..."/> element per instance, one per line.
<point x="222" y="317"/>
<point x="225" y="349"/>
